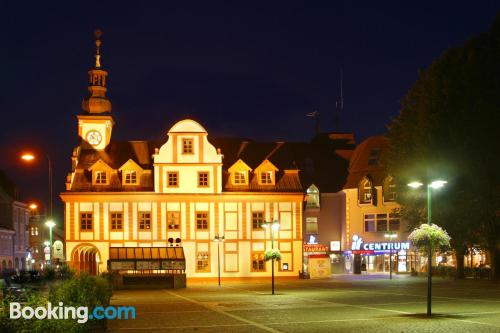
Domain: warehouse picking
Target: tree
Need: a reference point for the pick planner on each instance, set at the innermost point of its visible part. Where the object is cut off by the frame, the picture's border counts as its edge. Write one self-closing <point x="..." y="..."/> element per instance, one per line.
<point x="448" y="128"/>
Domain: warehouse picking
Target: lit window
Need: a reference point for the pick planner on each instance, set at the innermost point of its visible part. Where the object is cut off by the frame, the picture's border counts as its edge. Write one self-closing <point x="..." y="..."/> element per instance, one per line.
<point x="240" y="178"/>
<point x="365" y="191"/>
<point x="258" y="263"/>
<point x="203" y="179"/>
<point x="202" y="263"/>
<point x="202" y="220"/>
<point x="144" y="220"/>
<point x="116" y="221"/>
<point x="173" y="219"/>
<point x="187" y="146"/>
<point x="311" y="225"/>
<point x="257" y="220"/>
<point x="389" y="190"/>
<point x="173" y="179"/>
<point x="85" y="221"/>
<point x="100" y="177"/>
<point x="312" y="197"/>
<point x="130" y="177"/>
<point x="266" y="177"/>
<point x="36" y="231"/>
<point x="381" y="222"/>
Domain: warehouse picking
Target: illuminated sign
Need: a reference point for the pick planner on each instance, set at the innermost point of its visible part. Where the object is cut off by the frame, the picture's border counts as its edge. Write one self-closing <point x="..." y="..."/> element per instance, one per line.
<point x="312" y="240"/>
<point x="335" y="246"/>
<point x="315" y="248"/>
<point x="358" y="245"/>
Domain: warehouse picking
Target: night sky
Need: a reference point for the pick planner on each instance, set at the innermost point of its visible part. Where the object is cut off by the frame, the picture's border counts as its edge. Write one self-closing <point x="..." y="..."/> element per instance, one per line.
<point x="244" y="69"/>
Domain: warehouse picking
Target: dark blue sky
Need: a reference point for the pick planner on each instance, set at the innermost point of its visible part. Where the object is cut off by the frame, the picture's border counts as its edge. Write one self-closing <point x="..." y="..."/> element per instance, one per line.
<point x="241" y="68"/>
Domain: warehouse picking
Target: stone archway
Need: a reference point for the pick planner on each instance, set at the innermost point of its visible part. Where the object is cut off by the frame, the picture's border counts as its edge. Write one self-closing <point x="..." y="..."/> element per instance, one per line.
<point x="85" y="259"/>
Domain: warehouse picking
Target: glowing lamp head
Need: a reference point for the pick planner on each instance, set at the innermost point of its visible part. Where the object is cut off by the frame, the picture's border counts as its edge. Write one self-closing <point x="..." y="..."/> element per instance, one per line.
<point x="33" y="206"/>
<point x="415" y="184"/>
<point x="275" y="225"/>
<point x="28" y="157"/>
<point x="50" y="224"/>
<point x="438" y="183"/>
<point x="46" y="243"/>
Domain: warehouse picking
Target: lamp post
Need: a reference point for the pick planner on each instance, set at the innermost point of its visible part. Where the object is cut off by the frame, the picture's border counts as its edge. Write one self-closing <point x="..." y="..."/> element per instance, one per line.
<point x="274" y="226"/>
<point x="31" y="157"/>
<point x="50" y="224"/>
<point x="218" y="239"/>
<point x="390" y="235"/>
<point x="434" y="184"/>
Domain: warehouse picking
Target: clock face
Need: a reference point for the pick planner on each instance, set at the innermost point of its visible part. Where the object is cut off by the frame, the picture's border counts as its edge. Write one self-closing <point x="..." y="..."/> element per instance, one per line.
<point x="94" y="137"/>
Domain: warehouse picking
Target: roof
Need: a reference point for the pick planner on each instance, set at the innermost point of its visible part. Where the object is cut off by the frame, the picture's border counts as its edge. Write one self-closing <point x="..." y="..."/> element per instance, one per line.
<point x="367" y="160"/>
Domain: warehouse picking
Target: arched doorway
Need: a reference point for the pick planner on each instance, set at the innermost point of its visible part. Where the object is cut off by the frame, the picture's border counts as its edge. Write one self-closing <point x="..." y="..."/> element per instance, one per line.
<point x="85" y="258"/>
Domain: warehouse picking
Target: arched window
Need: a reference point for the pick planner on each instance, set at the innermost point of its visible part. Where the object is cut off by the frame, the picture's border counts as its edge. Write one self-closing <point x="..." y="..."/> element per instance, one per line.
<point x="389" y="190"/>
<point x="312" y="197"/>
<point x="365" y="191"/>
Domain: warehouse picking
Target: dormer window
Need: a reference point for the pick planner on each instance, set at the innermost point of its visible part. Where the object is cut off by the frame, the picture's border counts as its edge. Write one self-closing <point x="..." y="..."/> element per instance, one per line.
<point x="389" y="189"/>
<point x="101" y="177"/>
<point x="266" y="177"/>
<point x="240" y="178"/>
<point x="312" y="197"/>
<point x="130" y="177"/>
<point x="187" y="146"/>
<point x="374" y="156"/>
<point x="365" y="191"/>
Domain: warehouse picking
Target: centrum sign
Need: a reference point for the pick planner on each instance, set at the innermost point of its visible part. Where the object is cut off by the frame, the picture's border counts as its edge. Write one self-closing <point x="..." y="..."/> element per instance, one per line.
<point x="359" y="245"/>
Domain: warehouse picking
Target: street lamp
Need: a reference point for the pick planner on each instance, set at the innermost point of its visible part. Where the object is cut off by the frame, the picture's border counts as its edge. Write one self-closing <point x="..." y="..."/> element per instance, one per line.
<point x="30" y="157"/>
<point x="434" y="184"/>
<point x="274" y="226"/>
<point x="50" y="224"/>
<point x="390" y="235"/>
<point x="218" y="239"/>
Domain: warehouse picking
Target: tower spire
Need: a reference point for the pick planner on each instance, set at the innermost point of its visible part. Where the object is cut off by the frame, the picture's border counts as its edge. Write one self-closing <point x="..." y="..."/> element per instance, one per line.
<point x="97" y="102"/>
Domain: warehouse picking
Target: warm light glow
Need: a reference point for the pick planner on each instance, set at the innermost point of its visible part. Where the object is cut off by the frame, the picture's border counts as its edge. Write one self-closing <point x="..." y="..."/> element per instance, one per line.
<point x="415" y="184"/>
<point x="438" y="183"/>
<point x="33" y="206"/>
<point x="28" y="157"/>
<point x="46" y="243"/>
<point x="50" y="224"/>
<point x="275" y="226"/>
<point x="390" y="236"/>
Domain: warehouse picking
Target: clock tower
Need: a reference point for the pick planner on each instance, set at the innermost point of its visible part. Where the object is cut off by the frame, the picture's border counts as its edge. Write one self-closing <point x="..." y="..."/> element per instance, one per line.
<point x="95" y="124"/>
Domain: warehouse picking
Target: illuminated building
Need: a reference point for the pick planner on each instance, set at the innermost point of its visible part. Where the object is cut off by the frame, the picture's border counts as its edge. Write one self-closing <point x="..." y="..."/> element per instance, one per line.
<point x="190" y="187"/>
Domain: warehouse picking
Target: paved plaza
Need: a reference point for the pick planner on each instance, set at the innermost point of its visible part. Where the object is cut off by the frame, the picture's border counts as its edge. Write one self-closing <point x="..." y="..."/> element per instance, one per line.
<point x="340" y="304"/>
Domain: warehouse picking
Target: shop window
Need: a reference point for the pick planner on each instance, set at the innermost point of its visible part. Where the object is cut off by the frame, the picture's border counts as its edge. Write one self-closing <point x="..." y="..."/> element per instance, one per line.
<point x="85" y="221"/>
<point x="173" y="179"/>
<point x="257" y="220"/>
<point x="258" y="262"/>
<point x="144" y="220"/>
<point x="312" y="197"/>
<point x="116" y="221"/>
<point x="202" y="220"/>
<point x="365" y="191"/>
<point x="173" y="219"/>
<point x="202" y="262"/>
<point x="311" y="225"/>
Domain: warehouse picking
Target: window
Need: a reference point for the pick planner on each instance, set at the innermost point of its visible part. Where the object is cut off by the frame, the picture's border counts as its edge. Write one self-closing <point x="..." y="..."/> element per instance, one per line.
<point x="312" y="197"/>
<point x="202" y="263"/>
<point x="365" y="191"/>
<point x="34" y="231"/>
<point x="266" y="177"/>
<point x="374" y="156"/>
<point x="311" y="225"/>
<point x="100" y="177"/>
<point x="116" y="221"/>
<point x="173" y="219"/>
<point x="258" y="263"/>
<point x="85" y="221"/>
<point x="187" y="146"/>
<point x="257" y="220"/>
<point x="389" y="190"/>
<point x="202" y="220"/>
<point x="203" y="179"/>
<point x="130" y="177"/>
<point x="381" y="222"/>
<point x="240" y="178"/>
<point x="173" y="179"/>
<point x="144" y="220"/>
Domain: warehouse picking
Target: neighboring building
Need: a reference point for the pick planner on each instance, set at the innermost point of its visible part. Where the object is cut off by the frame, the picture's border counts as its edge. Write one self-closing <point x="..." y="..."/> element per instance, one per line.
<point x="38" y="235"/>
<point x="372" y="212"/>
<point x="189" y="187"/>
<point x="14" y="217"/>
